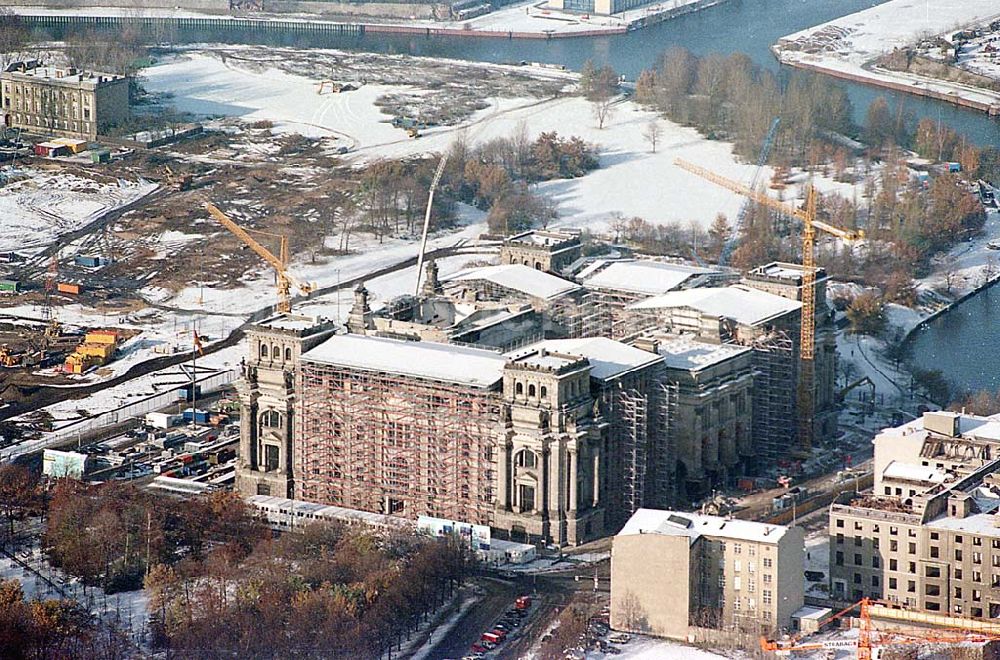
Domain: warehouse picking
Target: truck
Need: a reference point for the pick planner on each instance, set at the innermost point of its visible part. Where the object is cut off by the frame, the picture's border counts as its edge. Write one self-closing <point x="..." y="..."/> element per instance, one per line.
<point x="522" y="602"/>
<point x="490" y="637"/>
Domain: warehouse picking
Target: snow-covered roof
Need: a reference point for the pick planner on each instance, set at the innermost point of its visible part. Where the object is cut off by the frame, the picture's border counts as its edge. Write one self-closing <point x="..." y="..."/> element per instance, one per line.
<point x="693" y="525"/>
<point x="739" y="302"/>
<point x="442" y="362"/>
<point x="686" y="353"/>
<point x="984" y="524"/>
<point x="649" y="278"/>
<point x="290" y="322"/>
<point x="909" y="472"/>
<point x="518" y="277"/>
<point x="608" y="358"/>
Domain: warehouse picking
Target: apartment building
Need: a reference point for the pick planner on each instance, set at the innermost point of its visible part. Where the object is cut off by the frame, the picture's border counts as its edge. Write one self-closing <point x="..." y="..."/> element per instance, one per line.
<point x="673" y="571"/>
<point x="928" y="535"/>
<point x="67" y="102"/>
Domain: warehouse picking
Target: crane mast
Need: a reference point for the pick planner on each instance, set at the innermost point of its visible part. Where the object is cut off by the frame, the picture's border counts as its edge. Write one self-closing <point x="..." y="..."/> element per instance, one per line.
<point x="807" y="330"/>
<point x="285" y="280"/>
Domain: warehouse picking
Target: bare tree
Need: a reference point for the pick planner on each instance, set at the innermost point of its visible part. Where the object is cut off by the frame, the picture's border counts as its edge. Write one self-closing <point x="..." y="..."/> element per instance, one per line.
<point x="13" y="37"/>
<point x="603" y="109"/>
<point x="652" y="133"/>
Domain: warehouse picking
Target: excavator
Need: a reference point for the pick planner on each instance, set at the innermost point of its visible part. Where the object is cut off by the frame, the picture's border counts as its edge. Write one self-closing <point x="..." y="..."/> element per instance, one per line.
<point x="285" y="280"/>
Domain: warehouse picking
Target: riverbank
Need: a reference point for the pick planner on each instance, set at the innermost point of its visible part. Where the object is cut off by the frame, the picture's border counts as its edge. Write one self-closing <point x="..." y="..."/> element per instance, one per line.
<point x="849" y="47"/>
<point x="530" y="20"/>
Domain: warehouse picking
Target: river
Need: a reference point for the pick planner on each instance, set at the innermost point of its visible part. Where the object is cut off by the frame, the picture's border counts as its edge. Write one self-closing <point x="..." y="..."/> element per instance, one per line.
<point x="962" y="343"/>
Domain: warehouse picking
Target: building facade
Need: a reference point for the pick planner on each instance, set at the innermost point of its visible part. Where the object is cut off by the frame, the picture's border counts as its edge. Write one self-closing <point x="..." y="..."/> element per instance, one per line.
<point x="549" y="251"/>
<point x="65" y="102"/>
<point x="928" y="535"/>
<point x="267" y="401"/>
<point x="673" y="571"/>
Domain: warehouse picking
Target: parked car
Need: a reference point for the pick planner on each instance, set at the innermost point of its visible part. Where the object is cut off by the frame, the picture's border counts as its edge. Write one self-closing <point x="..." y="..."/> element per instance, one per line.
<point x="620" y="638"/>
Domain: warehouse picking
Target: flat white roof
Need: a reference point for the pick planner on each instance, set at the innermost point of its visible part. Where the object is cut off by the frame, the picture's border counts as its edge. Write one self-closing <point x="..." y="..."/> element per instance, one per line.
<point x="909" y="472"/>
<point x="290" y="322"/>
<point x="650" y="278"/>
<point x="442" y="362"/>
<point x="608" y="358"/>
<point x="984" y="524"/>
<point x="687" y="353"/>
<point x="693" y="525"/>
<point x="739" y="302"/>
<point x="518" y="277"/>
<point x="264" y="502"/>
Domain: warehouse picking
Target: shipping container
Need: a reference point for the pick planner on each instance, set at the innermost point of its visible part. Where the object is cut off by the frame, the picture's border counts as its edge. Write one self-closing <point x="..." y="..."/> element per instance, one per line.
<point x="68" y="287"/>
<point x="199" y="416"/>
<point x="74" y="145"/>
<point x="161" y="420"/>
<point x="109" y="337"/>
<point x="8" y="287"/>
<point x="51" y="149"/>
<point x="87" y="261"/>
<point x="100" y="156"/>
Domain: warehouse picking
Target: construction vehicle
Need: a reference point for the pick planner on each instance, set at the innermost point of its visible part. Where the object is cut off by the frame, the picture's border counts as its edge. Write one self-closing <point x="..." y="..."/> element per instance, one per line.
<point x="412" y="132"/>
<point x="807" y="336"/>
<point x="176" y="181"/>
<point x="842" y="394"/>
<point x="870" y="640"/>
<point x="284" y="279"/>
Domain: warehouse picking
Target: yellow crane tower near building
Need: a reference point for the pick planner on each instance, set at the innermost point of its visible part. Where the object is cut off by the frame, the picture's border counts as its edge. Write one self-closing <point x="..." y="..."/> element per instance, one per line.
<point x="807" y="336"/>
<point x="285" y="280"/>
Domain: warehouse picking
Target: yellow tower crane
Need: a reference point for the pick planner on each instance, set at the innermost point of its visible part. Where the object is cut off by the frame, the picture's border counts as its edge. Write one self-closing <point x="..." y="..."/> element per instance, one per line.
<point x="807" y="336"/>
<point x="285" y="280"/>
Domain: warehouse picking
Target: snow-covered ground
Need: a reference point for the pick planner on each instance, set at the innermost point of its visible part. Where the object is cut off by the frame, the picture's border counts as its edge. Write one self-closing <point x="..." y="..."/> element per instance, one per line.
<point x="37" y="206"/>
<point x="848" y="44"/>
<point x="632" y="180"/>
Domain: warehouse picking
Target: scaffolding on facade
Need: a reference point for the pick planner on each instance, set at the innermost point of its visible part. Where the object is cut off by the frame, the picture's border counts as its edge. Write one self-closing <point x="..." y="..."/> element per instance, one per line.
<point x="634" y="415"/>
<point x="774" y="395"/>
<point x="663" y="451"/>
<point x="395" y="445"/>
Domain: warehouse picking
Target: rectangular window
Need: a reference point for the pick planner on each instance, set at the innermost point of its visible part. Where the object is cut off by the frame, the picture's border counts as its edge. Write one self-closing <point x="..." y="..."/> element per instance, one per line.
<point x="893" y="565"/>
<point x="839" y="522"/>
<point x="958" y="554"/>
<point x="935" y="552"/>
<point x="766" y="597"/>
<point x="767" y="578"/>
<point x="892" y="583"/>
<point x="839" y="558"/>
<point x="857" y="560"/>
<point x="977" y="558"/>
<point x="893" y="546"/>
<point x="767" y="562"/>
<point x="912" y="548"/>
<point x="737" y="565"/>
<point x="857" y="540"/>
<point x="840" y="539"/>
<point x="737" y="583"/>
<point x="933" y="572"/>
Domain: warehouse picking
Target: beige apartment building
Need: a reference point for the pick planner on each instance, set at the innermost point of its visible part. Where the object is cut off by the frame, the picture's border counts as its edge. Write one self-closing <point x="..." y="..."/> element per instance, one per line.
<point x="67" y="102"/>
<point x="928" y="535"/>
<point x="672" y="572"/>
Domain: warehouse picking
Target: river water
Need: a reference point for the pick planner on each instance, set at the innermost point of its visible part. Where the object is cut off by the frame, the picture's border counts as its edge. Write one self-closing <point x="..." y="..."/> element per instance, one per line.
<point x="961" y="343"/>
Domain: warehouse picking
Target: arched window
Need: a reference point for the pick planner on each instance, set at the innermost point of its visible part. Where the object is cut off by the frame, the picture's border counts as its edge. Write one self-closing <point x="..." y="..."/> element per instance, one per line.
<point x="288" y="354"/>
<point x="519" y="389"/>
<point x="545" y="391"/>
<point x="538" y="265"/>
<point x="270" y="419"/>
<point x="275" y="352"/>
<point x="531" y="390"/>
<point x="263" y="350"/>
<point x="525" y="459"/>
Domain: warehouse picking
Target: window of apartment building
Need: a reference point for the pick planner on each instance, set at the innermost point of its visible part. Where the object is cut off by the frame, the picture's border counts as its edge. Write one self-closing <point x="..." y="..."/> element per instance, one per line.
<point x="958" y="573"/>
<point x="766" y="597"/>
<point x="893" y="546"/>
<point x="722" y="581"/>
<point x="857" y="559"/>
<point x="875" y="561"/>
<point x="737" y="583"/>
<point x="995" y="560"/>
<point x="752" y="550"/>
<point x="893" y="566"/>
<point x="875" y="543"/>
<point x="995" y="544"/>
<point x="933" y="572"/>
<point x="911" y="586"/>
<point x="932" y="590"/>
<point x="995" y="581"/>
<point x="875" y="581"/>
<point x="767" y="578"/>
<point x="977" y="558"/>
<point x="957" y="608"/>
<point x="893" y="531"/>
<point x="958" y="592"/>
<point x="737" y="565"/>
<point x="857" y="578"/>
<point x="910" y="602"/>
<point x="875" y="529"/>
<point x="857" y="525"/>
<point x="933" y="606"/>
<point x="977" y="540"/>
<point x="751" y="566"/>
<point x="857" y="594"/>
<point x="767" y="562"/>
<point x="977" y="595"/>
<point x="839" y="522"/>
<point x="888" y="491"/>
<point x="839" y="558"/>
<point x="912" y="548"/>
<point x="840" y="539"/>
<point x="935" y="536"/>
<point x="751" y="586"/>
<point x="958" y="554"/>
<point x="857" y="540"/>
<point x="958" y="539"/>
<point x="935" y="552"/>
<point x="912" y="533"/>
<point x="977" y="612"/>
<point x="737" y="602"/>
<point x="977" y="576"/>
<point x="751" y="603"/>
<point x="737" y="548"/>
<point x="892" y="583"/>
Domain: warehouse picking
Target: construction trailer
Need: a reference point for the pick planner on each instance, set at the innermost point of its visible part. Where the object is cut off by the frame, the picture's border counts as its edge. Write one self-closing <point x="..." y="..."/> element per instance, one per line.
<point x="9" y="287"/>
<point x="97" y="349"/>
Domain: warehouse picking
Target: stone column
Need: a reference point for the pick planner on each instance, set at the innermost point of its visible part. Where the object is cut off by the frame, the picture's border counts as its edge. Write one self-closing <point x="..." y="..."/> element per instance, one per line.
<point x="573" y="479"/>
<point x="503" y="476"/>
